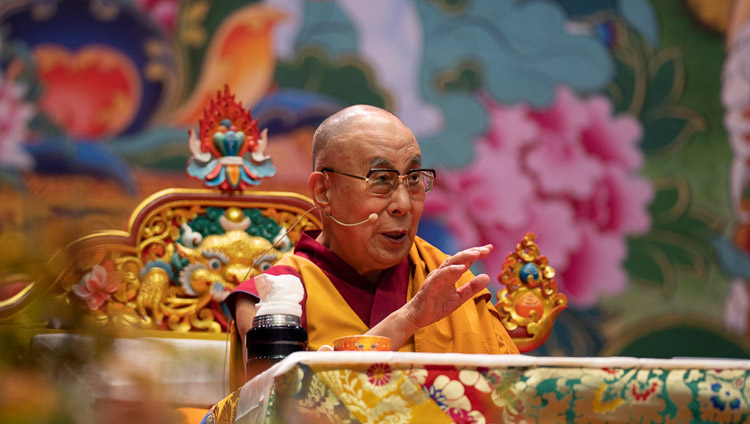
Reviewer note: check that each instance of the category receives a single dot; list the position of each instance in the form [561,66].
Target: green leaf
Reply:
[666,81]
[642,266]
[622,89]
[676,254]
[650,84]
[665,200]
[660,133]
[692,226]
[689,254]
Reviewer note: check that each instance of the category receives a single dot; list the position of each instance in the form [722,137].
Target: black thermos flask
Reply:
[272,338]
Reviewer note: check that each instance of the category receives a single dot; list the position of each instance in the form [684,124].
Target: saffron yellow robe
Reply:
[473,328]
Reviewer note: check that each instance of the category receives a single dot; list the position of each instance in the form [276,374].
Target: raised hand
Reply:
[439,297]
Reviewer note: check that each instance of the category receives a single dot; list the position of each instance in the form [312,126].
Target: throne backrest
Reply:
[183,252]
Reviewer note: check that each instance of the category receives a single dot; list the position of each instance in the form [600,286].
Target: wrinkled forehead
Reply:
[379,142]
[378,161]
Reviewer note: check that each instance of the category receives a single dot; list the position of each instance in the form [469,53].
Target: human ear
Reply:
[318,184]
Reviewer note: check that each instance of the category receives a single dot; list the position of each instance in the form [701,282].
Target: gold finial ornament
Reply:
[530,302]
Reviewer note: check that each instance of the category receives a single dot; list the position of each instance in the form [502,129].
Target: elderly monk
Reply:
[367,272]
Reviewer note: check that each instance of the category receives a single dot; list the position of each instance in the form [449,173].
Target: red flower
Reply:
[379,374]
[97,286]
[644,394]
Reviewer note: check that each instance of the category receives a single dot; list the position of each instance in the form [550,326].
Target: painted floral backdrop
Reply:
[616,130]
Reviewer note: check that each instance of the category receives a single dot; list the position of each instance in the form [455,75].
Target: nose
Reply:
[404,180]
[400,200]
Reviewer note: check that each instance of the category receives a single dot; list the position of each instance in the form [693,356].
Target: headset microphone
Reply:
[372,218]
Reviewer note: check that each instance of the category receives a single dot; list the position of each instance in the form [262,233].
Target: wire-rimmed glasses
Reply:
[385,181]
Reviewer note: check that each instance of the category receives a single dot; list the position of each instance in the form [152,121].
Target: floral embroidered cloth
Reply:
[376,387]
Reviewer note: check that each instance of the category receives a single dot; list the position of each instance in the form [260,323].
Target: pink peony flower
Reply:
[617,203]
[97,286]
[566,173]
[563,166]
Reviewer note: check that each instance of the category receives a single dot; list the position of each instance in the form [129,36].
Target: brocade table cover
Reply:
[393,387]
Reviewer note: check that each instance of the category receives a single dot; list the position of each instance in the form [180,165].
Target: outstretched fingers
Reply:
[438,296]
[468,256]
[474,286]
[448,274]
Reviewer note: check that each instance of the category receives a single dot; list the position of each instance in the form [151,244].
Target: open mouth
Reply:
[395,236]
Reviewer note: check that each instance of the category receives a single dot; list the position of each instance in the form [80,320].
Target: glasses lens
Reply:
[416,181]
[382,182]
[420,181]
[428,177]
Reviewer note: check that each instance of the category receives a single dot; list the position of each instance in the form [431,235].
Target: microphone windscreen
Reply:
[373,217]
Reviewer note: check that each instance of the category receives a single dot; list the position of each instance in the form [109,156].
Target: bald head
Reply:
[332,133]
[350,144]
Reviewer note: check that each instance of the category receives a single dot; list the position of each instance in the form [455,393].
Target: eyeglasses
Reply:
[385,181]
